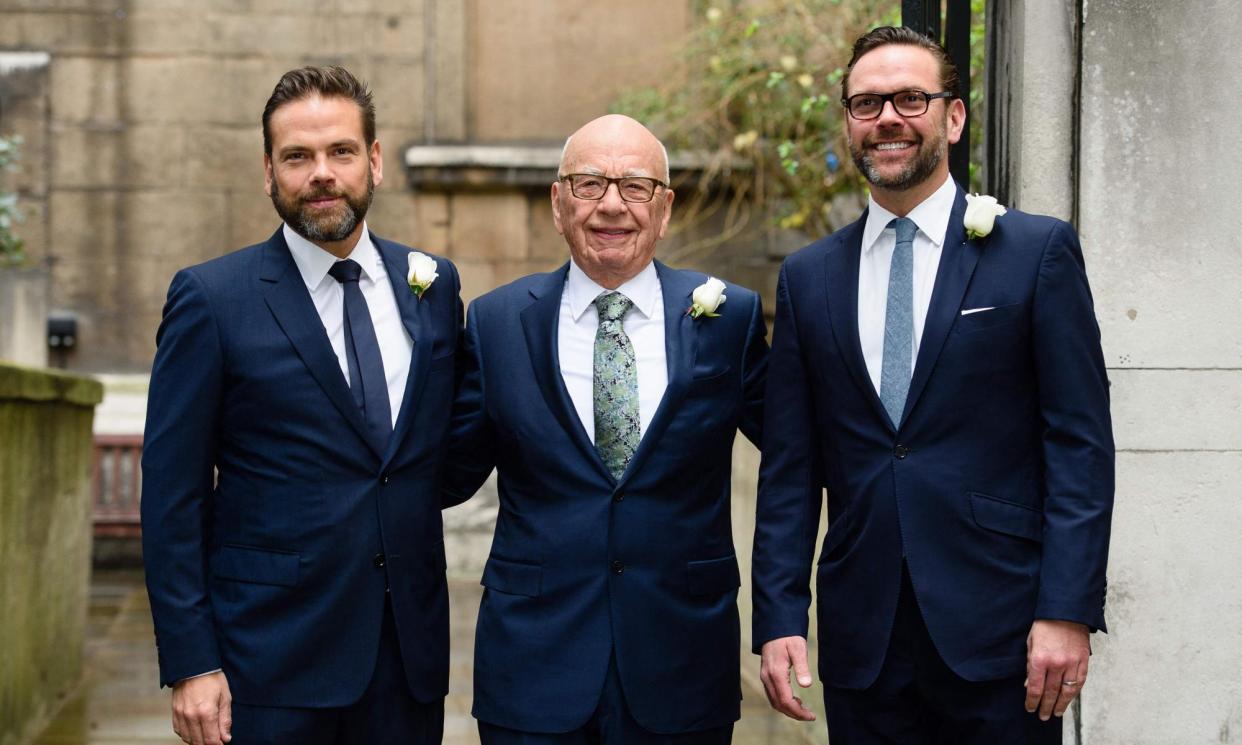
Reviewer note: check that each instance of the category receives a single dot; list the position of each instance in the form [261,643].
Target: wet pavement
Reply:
[119,702]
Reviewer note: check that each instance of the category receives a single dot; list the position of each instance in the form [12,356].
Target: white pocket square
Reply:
[977,310]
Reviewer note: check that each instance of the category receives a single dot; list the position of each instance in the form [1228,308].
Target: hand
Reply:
[778,655]
[1056,665]
[202,710]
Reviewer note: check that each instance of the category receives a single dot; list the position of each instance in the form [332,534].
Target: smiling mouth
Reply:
[611,232]
[889,146]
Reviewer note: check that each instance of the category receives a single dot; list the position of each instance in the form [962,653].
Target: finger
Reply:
[226,719]
[770,673]
[802,670]
[1052,691]
[1071,686]
[1034,687]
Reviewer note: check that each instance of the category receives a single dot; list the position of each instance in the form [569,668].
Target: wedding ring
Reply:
[1069,683]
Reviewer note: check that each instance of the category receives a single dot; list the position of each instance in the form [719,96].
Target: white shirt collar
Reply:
[313,262]
[931,216]
[643,289]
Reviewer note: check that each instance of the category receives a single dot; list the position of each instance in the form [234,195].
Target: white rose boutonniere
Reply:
[981,213]
[422,273]
[707,297]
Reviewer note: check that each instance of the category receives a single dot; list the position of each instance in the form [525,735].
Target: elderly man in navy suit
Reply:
[299,402]
[608,394]
[937,368]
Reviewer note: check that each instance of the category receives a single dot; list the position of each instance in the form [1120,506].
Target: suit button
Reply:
[379,561]
[384,480]
[617,567]
[901,451]
[618,497]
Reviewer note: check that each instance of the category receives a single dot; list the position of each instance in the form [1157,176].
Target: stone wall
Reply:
[45,540]
[144,152]
[1151,174]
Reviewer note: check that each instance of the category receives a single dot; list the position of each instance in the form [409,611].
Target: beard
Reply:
[930,153]
[325,226]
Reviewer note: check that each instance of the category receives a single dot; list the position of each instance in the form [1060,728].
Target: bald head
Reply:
[613,237]
[615,131]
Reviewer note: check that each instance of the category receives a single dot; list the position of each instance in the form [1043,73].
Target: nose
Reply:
[888,115]
[612,202]
[322,173]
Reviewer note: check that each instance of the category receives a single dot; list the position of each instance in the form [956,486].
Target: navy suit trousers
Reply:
[385,715]
[918,700]
[611,724]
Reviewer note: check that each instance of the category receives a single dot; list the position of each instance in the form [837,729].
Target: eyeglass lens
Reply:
[631,189]
[906,103]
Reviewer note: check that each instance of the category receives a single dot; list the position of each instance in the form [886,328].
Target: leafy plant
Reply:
[756,92]
[12,249]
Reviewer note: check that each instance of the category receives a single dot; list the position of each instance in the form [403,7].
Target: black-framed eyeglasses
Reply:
[864,106]
[631,188]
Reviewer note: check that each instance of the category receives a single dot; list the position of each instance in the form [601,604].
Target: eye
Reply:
[635,187]
[910,97]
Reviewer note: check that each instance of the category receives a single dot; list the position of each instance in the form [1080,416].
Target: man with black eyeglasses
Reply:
[936,367]
[607,394]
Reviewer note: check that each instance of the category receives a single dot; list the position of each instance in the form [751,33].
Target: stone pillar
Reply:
[1152,176]
[45,540]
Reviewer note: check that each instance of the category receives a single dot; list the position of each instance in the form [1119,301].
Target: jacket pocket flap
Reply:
[513,577]
[1007,517]
[256,565]
[713,576]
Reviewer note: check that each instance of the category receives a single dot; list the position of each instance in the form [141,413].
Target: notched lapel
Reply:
[841,291]
[414,316]
[540,321]
[681,336]
[957,265]
[286,296]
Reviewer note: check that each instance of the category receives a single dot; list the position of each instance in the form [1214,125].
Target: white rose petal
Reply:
[709,296]
[981,213]
[422,269]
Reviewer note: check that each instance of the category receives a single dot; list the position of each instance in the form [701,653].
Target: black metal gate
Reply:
[924,16]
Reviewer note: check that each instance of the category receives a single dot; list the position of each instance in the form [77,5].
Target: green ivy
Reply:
[12,249]
[756,88]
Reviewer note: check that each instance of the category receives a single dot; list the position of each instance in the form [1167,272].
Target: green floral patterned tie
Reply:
[615,389]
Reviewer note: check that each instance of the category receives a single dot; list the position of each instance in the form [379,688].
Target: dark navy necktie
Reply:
[366,367]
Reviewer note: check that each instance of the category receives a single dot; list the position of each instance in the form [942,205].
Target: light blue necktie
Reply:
[899,322]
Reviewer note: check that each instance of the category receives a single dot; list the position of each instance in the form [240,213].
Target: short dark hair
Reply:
[305,82]
[886,35]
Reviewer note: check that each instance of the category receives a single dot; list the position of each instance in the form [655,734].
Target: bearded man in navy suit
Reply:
[299,402]
[941,376]
[608,394]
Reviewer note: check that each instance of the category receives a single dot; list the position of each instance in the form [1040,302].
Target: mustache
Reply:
[320,193]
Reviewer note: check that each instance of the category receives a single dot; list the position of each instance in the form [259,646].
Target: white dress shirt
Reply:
[878,242]
[644,324]
[329,297]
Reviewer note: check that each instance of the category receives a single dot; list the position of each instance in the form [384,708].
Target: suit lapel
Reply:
[286,296]
[680,348]
[413,316]
[841,275]
[540,321]
[958,259]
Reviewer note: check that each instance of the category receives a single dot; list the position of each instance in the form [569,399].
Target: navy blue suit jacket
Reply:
[271,569]
[997,486]
[582,565]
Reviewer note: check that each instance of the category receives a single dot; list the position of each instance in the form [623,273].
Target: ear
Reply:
[668,211]
[268,176]
[377,164]
[957,120]
[556,207]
